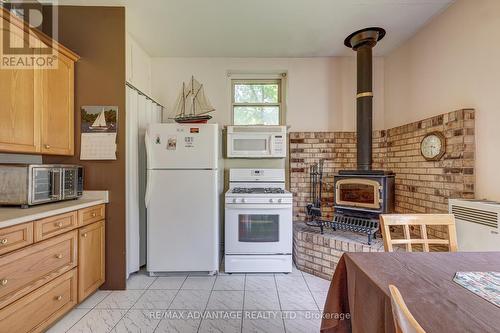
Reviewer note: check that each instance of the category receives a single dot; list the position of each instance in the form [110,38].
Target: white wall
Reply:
[320,91]
[450,64]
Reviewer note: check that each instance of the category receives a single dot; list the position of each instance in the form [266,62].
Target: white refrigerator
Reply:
[182,197]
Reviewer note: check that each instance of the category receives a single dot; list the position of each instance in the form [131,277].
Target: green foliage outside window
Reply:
[256,102]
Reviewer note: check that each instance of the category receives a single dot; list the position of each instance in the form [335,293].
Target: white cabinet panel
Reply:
[138,66]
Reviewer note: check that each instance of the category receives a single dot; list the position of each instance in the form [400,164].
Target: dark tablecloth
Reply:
[360,287]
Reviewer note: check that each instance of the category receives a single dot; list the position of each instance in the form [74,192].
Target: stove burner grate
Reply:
[252,190]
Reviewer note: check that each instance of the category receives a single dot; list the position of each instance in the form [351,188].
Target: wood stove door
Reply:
[358,193]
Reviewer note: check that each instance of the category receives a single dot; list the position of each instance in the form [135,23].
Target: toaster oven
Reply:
[32,184]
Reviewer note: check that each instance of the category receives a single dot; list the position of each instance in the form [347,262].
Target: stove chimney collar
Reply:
[368,36]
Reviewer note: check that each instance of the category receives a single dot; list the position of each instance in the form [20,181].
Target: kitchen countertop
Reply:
[10,216]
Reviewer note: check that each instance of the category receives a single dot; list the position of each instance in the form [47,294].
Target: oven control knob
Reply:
[271,200]
[280,200]
[243,200]
[234,200]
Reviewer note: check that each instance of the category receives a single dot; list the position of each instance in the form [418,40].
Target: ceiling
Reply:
[266,28]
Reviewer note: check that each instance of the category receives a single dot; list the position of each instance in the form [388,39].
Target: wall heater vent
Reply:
[477,224]
[474,215]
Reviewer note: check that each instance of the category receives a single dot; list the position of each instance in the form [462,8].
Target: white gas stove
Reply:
[258,223]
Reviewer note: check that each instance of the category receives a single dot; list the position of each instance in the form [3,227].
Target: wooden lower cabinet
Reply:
[39,309]
[90,215]
[15,237]
[91,258]
[55,225]
[27,269]
[48,266]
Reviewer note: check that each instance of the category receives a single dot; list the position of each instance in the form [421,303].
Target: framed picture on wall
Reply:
[99,119]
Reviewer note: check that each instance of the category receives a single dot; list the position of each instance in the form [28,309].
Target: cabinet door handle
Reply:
[59,256]
[4,241]
[84,235]
[59,224]
[47,146]
[4,282]
[58,298]
[94,214]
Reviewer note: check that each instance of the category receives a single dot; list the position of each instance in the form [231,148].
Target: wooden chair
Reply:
[423,221]
[404,322]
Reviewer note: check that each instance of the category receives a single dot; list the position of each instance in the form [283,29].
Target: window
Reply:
[256,102]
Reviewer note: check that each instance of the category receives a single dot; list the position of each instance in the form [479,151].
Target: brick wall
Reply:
[421,186]
[337,149]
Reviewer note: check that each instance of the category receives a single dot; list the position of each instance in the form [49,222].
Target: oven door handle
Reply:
[259,206]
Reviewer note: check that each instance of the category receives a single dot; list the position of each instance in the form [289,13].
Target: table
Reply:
[360,286]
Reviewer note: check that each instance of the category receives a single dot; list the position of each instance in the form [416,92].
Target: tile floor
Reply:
[192,303]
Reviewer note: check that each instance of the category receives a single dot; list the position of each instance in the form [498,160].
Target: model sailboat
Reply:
[99,123]
[192,106]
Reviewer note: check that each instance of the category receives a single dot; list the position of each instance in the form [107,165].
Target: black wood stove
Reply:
[362,195]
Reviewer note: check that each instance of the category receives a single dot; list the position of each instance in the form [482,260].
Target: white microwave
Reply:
[256,141]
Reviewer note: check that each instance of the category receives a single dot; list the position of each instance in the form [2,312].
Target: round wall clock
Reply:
[433,146]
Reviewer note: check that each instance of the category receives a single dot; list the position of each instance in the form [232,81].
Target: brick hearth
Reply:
[319,254]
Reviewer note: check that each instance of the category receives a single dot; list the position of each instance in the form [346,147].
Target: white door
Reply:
[258,229]
[183,220]
[149,111]
[132,183]
[158,113]
[142,119]
[173,146]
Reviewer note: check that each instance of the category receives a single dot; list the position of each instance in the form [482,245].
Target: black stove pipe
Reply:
[363,41]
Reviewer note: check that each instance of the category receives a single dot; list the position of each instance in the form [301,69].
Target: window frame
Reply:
[249,81]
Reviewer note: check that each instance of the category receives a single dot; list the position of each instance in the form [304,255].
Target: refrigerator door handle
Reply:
[147,195]
[148,174]
[148,149]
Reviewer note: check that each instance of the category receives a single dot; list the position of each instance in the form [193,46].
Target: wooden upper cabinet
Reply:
[36,104]
[56,96]
[19,116]
[19,123]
